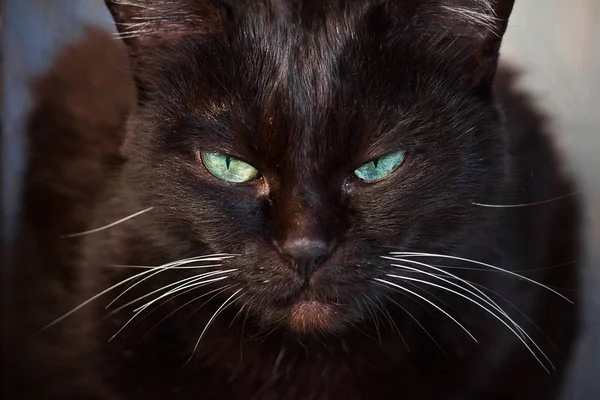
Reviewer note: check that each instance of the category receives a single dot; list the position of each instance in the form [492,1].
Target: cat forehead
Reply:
[284,71]
[297,60]
[275,84]
[300,48]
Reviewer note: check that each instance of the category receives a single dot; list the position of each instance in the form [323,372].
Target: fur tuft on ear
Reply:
[470,29]
[152,29]
[478,16]
[483,19]
[147,22]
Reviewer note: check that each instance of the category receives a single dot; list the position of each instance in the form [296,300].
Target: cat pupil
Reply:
[375,162]
[227,161]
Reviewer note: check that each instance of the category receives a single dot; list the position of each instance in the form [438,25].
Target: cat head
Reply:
[312,138]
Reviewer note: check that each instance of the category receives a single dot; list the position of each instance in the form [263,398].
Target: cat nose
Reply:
[306,254]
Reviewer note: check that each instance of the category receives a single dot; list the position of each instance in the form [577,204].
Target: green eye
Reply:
[380,168]
[228,168]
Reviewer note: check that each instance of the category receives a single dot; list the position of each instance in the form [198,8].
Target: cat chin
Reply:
[307,316]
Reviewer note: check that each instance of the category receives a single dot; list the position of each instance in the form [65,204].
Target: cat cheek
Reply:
[263,188]
[348,187]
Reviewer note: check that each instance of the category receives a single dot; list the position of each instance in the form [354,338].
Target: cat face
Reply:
[311,140]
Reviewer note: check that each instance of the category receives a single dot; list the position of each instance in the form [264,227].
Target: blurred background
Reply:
[555,43]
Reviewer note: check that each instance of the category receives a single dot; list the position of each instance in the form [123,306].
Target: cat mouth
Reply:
[307,310]
[307,315]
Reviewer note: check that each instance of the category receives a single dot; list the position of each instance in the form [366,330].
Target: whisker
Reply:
[157,271]
[269,332]
[484,308]
[373,316]
[527,204]
[483,287]
[185,262]
[182,282]
[238,313]
[199,281]
[390,320]
[548,268]
[74,310]
[430,302]
[116,310]
[225,304]
[190,289]
[102,293]
[417,254]
[165,267]
[416,301]
[138,311]
[208,301]
[219,290]
[488,300]
[72,235]
[244,327]
[433,296]
[154,267]
[515,270]
[416,321]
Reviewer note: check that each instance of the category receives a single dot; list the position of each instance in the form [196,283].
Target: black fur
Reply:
[307,91]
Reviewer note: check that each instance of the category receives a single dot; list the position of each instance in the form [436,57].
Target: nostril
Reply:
[319,260]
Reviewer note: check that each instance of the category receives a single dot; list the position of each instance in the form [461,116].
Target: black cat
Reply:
[319,200]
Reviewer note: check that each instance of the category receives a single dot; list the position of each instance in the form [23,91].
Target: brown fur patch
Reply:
[308,316]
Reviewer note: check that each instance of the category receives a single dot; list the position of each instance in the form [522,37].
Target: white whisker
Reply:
[433,296]
[526,204]
[153,267]
[155,272]
[89,301]
[193,283]
[141,309]
[225,304]
[373,316]
[416,321]
[430,302]
[488,300]
[238,313]
[483,287]
[417,254]
[180,282]
[208,300]
[171,265]
[218,290]
[121,283]
[72,235]
[385,312]
[484,308]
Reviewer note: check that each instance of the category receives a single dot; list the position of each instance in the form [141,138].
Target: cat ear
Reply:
[476,27]
[143,23]
[151,30]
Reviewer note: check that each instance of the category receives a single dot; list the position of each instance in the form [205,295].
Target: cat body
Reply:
[376,359]
[444,279]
